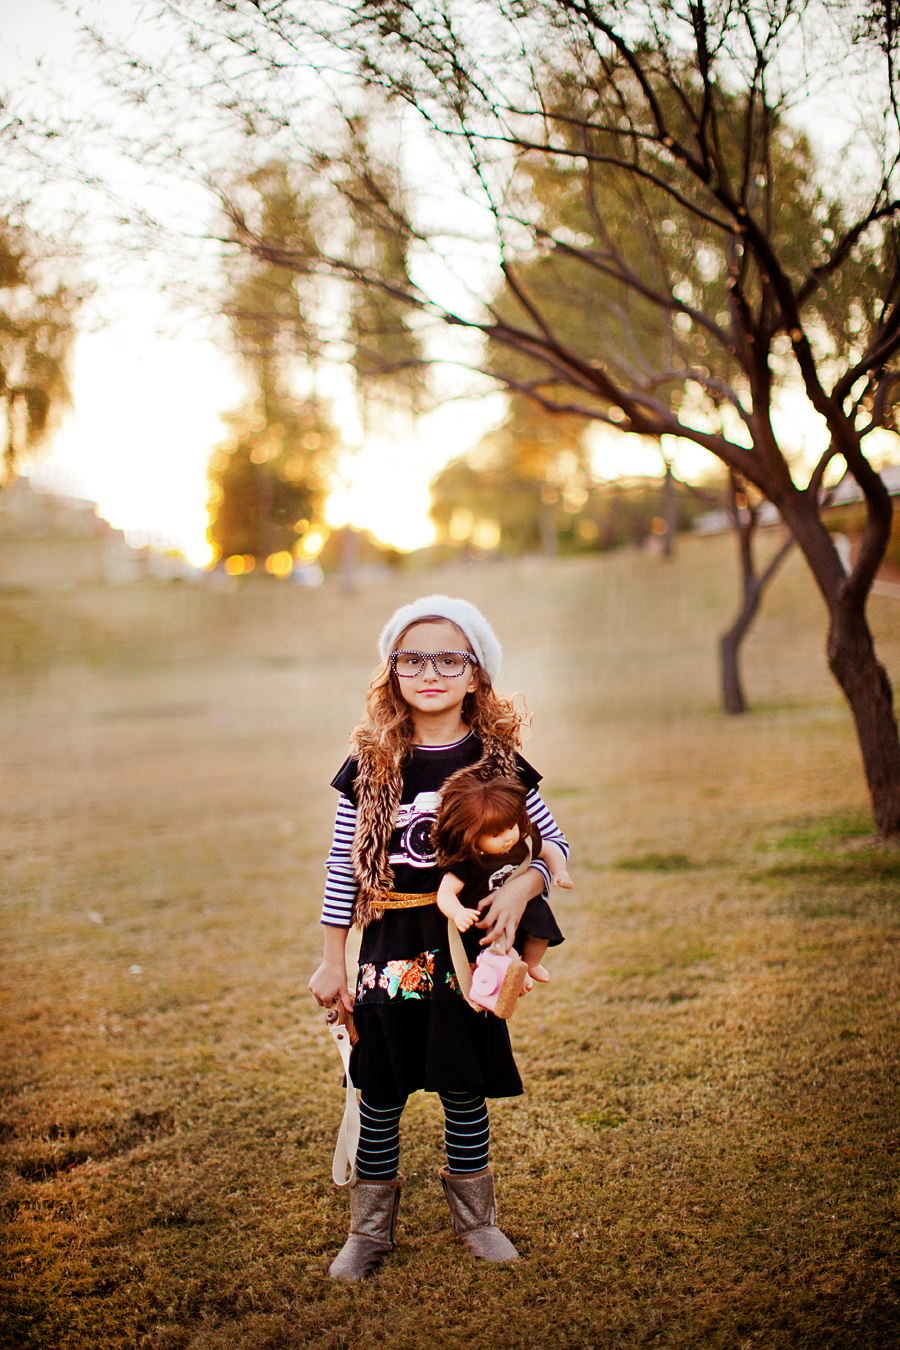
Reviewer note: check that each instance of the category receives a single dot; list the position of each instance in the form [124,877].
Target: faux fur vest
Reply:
[379,787]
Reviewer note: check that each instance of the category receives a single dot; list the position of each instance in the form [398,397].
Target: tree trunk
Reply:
[744,520]
[9,453]
[547,528]
[349,559]
[264,535]
[851,651]
[670,511]
[864,680]
[733,700]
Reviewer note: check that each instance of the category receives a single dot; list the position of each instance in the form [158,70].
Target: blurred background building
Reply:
[49,540]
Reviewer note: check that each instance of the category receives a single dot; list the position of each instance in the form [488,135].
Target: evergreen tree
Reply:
[270,477]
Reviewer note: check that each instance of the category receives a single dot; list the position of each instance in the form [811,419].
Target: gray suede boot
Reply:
[470,1196]
[373,1218]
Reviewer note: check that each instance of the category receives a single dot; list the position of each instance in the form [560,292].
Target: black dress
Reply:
[415,1028]
[483,875]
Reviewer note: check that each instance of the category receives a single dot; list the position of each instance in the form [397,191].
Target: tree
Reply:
[275,304]
[387,353]
[372,331]
[760,277]
[269,479]
[37,330]
[590,308]
[678,112]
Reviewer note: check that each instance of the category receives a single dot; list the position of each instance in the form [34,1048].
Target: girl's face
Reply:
[499,843]
[429,692]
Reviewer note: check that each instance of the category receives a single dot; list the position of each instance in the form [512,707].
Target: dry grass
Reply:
[707,1151]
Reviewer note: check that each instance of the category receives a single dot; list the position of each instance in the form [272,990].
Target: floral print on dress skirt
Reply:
[412,978]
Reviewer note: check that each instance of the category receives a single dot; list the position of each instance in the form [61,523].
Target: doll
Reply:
[483,837]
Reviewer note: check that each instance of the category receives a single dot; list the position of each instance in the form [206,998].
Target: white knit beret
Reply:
[481,636]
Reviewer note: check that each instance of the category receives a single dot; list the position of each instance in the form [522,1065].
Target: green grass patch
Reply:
[608,1119]
[825,833]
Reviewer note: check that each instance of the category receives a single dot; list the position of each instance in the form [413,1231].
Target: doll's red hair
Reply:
[471,807]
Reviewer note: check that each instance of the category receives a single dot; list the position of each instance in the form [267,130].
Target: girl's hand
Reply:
[465,920]
[502,910]
[563,879]
[329,984]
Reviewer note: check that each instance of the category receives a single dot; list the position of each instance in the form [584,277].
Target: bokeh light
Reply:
[486,534]
[310,545]
[280,564]
[239,564]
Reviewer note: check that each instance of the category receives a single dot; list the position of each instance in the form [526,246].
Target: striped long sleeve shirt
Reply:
[341,888]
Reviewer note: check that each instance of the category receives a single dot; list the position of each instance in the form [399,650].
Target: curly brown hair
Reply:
[386,730]
[471,807]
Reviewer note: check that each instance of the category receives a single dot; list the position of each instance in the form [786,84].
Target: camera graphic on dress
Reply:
[414,822]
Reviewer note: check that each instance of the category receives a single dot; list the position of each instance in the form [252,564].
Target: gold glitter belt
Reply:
[398,900]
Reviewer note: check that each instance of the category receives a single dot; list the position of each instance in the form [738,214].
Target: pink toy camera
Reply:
[497,981]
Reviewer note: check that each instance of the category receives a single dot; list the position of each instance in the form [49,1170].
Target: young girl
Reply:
[431,711]
[483,836]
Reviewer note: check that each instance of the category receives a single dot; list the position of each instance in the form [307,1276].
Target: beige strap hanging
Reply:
[461,965]
[343,1167]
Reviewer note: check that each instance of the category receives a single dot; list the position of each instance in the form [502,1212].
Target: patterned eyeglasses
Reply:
[447,665]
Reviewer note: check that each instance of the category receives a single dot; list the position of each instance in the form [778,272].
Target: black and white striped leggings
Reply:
[467,1133]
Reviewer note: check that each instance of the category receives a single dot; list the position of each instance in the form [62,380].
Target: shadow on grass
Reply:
[834,871]
[61,1148]
[656,862]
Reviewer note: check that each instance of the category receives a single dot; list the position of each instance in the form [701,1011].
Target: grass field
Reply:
[708,1150]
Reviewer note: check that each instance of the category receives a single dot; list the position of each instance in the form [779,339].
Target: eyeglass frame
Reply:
[432,657]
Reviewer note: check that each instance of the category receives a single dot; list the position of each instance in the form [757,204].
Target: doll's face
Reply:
[499,843]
